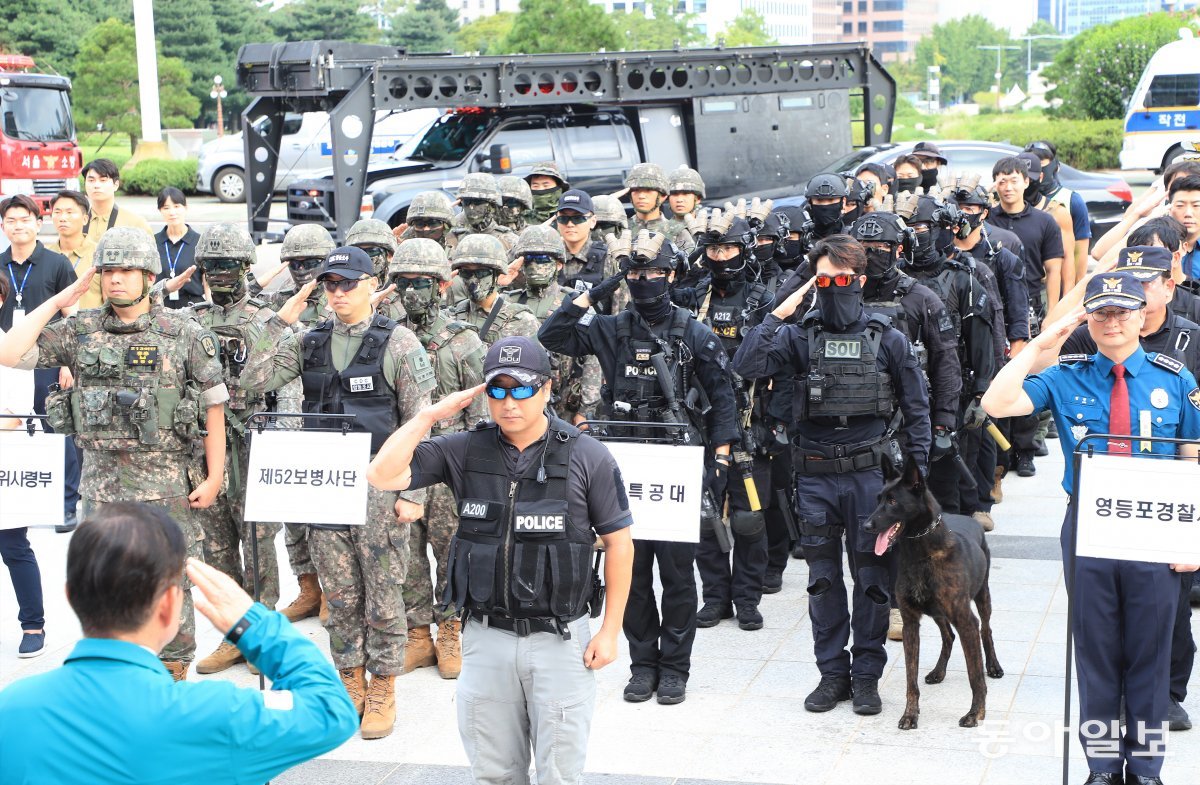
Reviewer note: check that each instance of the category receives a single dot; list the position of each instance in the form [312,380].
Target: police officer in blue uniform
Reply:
[852,370]
[1123,610]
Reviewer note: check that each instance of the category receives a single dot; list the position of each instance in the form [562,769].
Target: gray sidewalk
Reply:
[743,720]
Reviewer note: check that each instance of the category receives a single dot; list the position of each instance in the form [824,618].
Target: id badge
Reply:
[18,315]
[173,295]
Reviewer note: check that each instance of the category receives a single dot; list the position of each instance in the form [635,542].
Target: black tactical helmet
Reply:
[739,233]
[777,225]
[826,186]
[880,227]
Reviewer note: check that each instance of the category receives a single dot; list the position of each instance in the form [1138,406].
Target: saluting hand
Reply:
[453,403]
[788,307]
[514,269]
[1053,335]
[72,294]
[176,283]
[266,279]
[291,310]
[221,600]
[378,296]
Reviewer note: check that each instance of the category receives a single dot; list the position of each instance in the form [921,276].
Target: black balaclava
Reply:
[826,218]
[908,184]
[1049,183]
[929,178]
[881,270]
[841,307]
[729,270]
[924,251]
[1033,192]
[973,220]
[855,213]
[651,298]
[790,252]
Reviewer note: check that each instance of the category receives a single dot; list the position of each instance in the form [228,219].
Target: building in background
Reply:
[787,21]
[1074,16]
[470,10]
[891,27]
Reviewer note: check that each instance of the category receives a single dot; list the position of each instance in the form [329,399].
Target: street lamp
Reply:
[218,92]
[1028,39]
[999,53]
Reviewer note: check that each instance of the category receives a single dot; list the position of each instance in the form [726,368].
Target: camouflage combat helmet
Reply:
[127,248]
[609,210]
[539,239]
[647,176]
[422,256]
[481,249]
[306,241]
[434,205]
[371,231]
[686,180]
[225,241]
[548,169]
[479,185]
[513,187]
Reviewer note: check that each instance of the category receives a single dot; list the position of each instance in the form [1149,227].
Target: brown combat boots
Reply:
[323,615]
[308,602]
[355,682]
[380,715]
[997,486]
[449,649]
[225,657]
[418,650]
[178,669]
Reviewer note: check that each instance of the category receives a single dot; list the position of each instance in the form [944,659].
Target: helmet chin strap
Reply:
[124,302]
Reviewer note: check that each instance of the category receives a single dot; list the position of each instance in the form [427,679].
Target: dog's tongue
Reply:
[883,540]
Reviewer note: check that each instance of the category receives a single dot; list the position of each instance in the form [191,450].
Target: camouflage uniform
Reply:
[512,319]
[362,568]
[457,357]
[576,381]
[684,180]
[482,220]
[517,209]
[130,379]
[651,176]
[432,205]
[545,203]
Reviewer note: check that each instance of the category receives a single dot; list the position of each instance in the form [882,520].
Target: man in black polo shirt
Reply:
[36,274]
[1040,236]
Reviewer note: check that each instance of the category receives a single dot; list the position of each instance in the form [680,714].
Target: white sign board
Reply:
[31,478]
[308,477]
[1139,509]
[663,483]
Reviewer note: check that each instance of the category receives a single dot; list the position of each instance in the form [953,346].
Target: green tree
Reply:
[562,26]
[967,69]
[239,22]
[747,29]
[1042,50]
[658,26]
[49,31]
[187,29]
[106,83]
[1096,72]
[485,35]
[427,26]
[311,20]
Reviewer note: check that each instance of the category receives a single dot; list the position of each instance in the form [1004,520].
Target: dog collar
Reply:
[936,522]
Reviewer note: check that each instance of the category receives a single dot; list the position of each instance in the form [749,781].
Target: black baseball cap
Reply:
[348,262]
[522,358]
[929,150]
[576,200]
[1120,290]
[1144,262]
[1033,164]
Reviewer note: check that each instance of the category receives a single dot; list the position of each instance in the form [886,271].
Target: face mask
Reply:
[853,215]
[841,306]
[434,234]
[546,201]
[973,220]
[907,184]
[539,275]
[513,216]
[420,304]
[480,287]
[728,269]
[302,274]
[598,233]
[1049,183]
[1032,193]
[825,216]
[650,298]
[880,263]
[792,249]
[226,288]
[478,215]
[929,178]
[766,251]
[923,249]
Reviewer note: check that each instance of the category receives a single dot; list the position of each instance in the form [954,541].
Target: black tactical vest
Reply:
[844,379]
[360,389]
[893,309]
[518,551]
[589,275]
[729,315]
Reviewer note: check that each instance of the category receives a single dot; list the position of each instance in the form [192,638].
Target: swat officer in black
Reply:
[970,311]
[826,195]
[852,371]
[629,345]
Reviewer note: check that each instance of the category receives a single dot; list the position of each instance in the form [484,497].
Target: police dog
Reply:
[943,565]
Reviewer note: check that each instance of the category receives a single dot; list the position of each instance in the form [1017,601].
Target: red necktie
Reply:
[1118,414]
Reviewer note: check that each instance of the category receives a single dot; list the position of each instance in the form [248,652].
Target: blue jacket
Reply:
[113,715]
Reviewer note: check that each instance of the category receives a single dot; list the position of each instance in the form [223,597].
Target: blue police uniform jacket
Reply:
[1077,392]
[111,714]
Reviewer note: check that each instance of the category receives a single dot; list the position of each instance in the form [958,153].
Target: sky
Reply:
[1015,16]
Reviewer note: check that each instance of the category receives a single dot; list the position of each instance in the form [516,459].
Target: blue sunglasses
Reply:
[518,393]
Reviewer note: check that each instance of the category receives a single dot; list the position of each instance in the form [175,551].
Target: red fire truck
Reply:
[38,152]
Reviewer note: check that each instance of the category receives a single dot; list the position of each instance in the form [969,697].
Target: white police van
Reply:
[1162,121]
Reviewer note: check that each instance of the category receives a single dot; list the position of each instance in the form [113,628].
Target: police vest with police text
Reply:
[518,551]
[360,388]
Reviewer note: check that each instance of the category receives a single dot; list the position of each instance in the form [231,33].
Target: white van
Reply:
[305,151]
[1163,118]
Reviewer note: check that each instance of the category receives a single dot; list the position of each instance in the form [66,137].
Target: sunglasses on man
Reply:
[839,280]
[344,284]
[524,392]
[564,220]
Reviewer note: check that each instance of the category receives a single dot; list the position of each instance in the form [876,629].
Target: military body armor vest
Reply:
[635,394]
[518,551]
[126,395]
[234,353]
[893,309]
[360,389]
[728,316]
[589,275]
[844,379]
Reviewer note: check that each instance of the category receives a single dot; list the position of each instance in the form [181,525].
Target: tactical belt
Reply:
[815,458]
[522,627]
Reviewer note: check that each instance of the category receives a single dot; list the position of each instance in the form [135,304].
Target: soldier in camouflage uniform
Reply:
[376,238]
[420,271]
[517,200]
[685,189]
[547,185]
[610,218]
[146,377]
[481,201]
[587,263]
[429,215]
[305,247]
[363,567]
[479,262]
[647,190]
[258,353]
[576,381]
